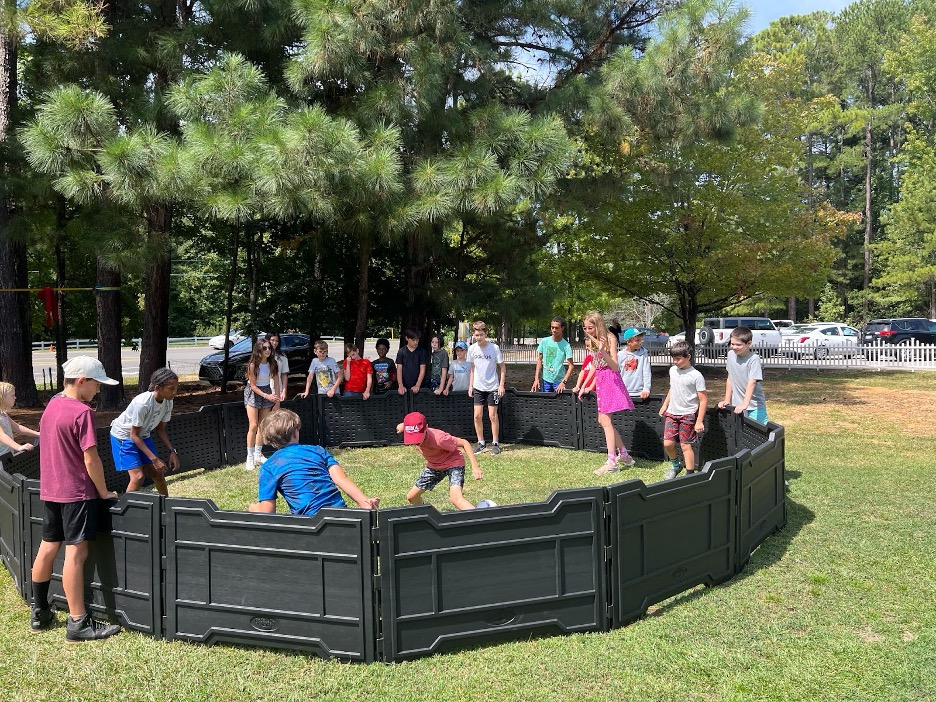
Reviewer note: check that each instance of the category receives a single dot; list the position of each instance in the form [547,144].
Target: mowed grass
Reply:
[840,605]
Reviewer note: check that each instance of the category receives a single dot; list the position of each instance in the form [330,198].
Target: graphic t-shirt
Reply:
[409,363]
[144,412]
[384,374]
[485,361]
[360,370]
[440,360]
[66,431]
[440,450]
[460,371]
[555,354]
[325,372]
[635,370]
[300,474]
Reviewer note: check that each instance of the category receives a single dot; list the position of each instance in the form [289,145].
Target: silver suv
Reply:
[713,335]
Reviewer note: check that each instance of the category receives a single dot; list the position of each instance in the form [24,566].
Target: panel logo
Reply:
[264,624]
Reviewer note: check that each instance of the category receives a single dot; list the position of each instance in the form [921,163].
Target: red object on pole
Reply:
[49,299]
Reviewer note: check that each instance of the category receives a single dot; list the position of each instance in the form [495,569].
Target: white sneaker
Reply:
[249,465]
[629,461]
[259,459]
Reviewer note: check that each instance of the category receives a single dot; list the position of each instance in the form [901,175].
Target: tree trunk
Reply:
[228,309]
[15,318]
[360,326]
[109,335]
[61,329]
[156,300]
[791,307]
[867,232]
[253,278]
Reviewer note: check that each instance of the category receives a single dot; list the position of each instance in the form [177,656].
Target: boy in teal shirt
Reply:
[553,359]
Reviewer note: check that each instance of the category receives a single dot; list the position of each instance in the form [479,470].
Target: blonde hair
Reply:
[601,330]
[279,427]
[6,390]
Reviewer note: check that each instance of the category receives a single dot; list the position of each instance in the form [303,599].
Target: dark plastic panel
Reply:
[540,418]
[198,438]
[234,424]
[751,434]
[762,493]
[459,578]
[720,437]
[25,463]
[274,580]
[115,480]
[641,428]
[11,528]
[122,573]
[453,414]
[358,422]
[671,536]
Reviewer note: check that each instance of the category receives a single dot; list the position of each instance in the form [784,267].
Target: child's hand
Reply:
[445,392]
[26,447]
[739,409]
[415,389]
[723,404]
[401,390]
[644,394]
[366,394]
[437,391]
[476,473]
[173,462]
[370,503]
[399,428]
[109,495]
[303,395]
[331,393]
[699,427]
[536,386]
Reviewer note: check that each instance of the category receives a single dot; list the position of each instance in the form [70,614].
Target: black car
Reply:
[900,332]
[297,347]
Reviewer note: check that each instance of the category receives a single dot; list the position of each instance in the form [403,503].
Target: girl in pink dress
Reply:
[610,392]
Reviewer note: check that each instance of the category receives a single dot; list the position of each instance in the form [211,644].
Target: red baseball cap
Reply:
[414,428]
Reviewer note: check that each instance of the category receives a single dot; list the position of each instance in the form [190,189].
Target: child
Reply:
[554,359]
[634,362]
[744,389]
[442,459]
[325,371]
[71,484]
[610,393]
[586,380]
[438,376]
[259,398]
[485,359]
[308,477]
[9,428]
[282,362]
[459,370]
[412,360]
[130,435]
[357,372]
[684,409]
[384,369]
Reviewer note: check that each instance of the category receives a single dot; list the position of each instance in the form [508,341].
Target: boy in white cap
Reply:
[443,459]
[71,483]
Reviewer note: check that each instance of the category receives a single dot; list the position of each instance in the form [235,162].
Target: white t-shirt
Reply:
[7,427]
[144,412]
[282,364]
[459,370]
[685,386]
[485,363]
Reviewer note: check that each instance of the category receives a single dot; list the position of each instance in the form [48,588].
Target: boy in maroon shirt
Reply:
[71,484]
[442,459]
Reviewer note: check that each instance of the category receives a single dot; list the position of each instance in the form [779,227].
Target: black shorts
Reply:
[486,397]
[71,522]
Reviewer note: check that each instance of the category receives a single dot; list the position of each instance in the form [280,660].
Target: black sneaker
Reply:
[480,447]
[88,629]
[41,618]
[495,450]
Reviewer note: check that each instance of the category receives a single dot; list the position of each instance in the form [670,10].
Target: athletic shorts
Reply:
[127,454]
[679,426]
[486,397]
[71,522]
[759,415]
[429,478]
[550,386]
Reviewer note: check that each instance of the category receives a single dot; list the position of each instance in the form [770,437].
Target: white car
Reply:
[217,342]
[821,341]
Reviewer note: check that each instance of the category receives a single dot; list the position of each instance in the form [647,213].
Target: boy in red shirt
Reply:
[442,459]
[358,373]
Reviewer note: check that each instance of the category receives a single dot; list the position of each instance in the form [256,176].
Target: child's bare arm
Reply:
[350,488]
[465,446]
[9,442]
[727,401]
[665,403]
[503,378]
[536,373]
[267,506]
[305,393]
[748,394]
[419,380]
[95,470]
[703,406]
[20,429]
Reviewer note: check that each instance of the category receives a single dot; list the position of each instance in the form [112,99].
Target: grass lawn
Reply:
[841,605]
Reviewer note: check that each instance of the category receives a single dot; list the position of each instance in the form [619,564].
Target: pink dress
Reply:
[610,392]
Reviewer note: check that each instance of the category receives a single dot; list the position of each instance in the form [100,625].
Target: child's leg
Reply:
[159,480]
[669,446]
[414,496]
[478,422]
[136,478]
[612,438]
[689,456]
[73,577]
[45,560]
[495,422]
[253,420]
[458,499]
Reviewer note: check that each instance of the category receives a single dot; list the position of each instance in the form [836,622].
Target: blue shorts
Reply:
[126,454]
[759,415]
[549,386]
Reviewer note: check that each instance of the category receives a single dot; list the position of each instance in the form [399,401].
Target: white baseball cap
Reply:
[87,367]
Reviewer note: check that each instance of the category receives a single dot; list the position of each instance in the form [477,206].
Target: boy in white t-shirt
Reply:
[485,359]
[684,410]
[459,370]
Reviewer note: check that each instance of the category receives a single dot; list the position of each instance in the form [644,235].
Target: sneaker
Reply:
[41,618]
[88,629]
[259,459]
[629,461]
[480,447]
[495,450]
[672,472]
[610,466]
[249,465]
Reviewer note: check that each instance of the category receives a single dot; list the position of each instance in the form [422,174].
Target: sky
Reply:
[763,12]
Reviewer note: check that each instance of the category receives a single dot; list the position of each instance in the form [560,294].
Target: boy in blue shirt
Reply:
[308,477]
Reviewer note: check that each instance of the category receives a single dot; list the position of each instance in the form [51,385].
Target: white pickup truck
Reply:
[712,336]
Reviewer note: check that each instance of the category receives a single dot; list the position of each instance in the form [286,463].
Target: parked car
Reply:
[821,341]
[654,341]
[712,336]
[792,330]
[894,337]
[297,347]
[217,342]
[782,324]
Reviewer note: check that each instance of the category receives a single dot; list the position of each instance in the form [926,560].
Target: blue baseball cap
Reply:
[461,345]
[632,332]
